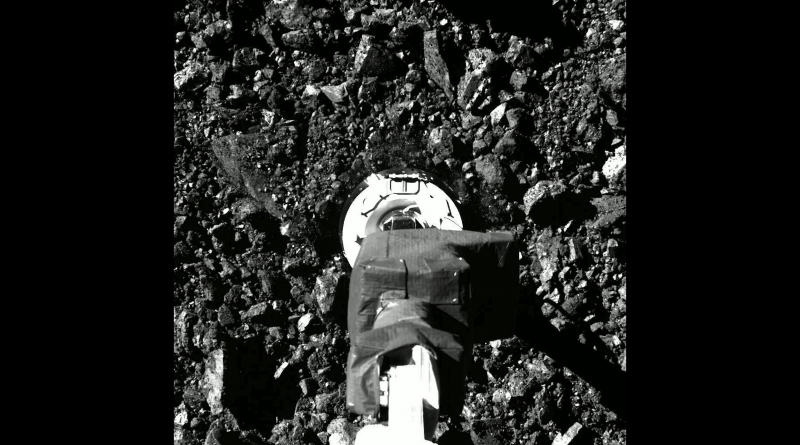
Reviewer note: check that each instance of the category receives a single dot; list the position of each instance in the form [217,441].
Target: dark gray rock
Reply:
[324,293]
[226,316]
[293,14]
[370,90]
[374,60]
[440,142]
[241,155]
[435,64]
[610,210]
[491,171]
[511,144]
[248,58]
[613,81]
[468,88]
[490,432]
[544,191]
[268,34]
[257,312]
[519,55]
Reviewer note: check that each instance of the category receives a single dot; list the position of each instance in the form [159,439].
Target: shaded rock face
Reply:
[372,59]
[435,64]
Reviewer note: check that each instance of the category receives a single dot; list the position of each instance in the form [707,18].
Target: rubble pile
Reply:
[282,107]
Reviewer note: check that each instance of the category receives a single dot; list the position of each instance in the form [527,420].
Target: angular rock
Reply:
[226,316]
[324,292]
[614,167]
[257,312]
[191,77]
[247,57]
[303,40]
[519,55]
[519,80]
[518,119]
[374,60]
[212,383]
[613,80]
[540,371]
[468,87]
[468,120]
[293,14]
[183,330]
[489,432]
[544,191]
[511,144]
[440,142]
[337,93]
[610,210]
[341,432]
[308,387]
[574,436]
[492,172]
[435,64]
[518,384]
[241,155]
[310,92]
[268,34]
[304,321]
[483,60]
[498,114]
[575,251]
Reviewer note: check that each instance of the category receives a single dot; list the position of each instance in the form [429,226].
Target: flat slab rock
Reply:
[435,65]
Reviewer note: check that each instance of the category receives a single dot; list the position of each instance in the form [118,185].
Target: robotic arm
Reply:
[418,300]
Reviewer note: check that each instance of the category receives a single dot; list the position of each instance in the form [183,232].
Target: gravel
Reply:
[281,108]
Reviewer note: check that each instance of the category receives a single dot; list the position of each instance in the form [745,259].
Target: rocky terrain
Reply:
[282,107]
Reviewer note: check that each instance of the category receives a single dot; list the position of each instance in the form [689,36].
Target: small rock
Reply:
[324,291]
[303,322]
[519,80]
[308,387]
[247,57]
[519,54]
[268,34]
[435,64]
[374,60]
[212,382]
[575,253]
[498,114]
[569,436]
[226,316]
[256,312]
[192,76]
[303,40]
[543,191]
[616,25]
[468,88]
[483,60]
[492,172]
[615,165]
[518,119]
[440,142]
[612,248]
[293,14]
[510,144]
[341,432]
[337,94]
[610,210]
[479,147]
